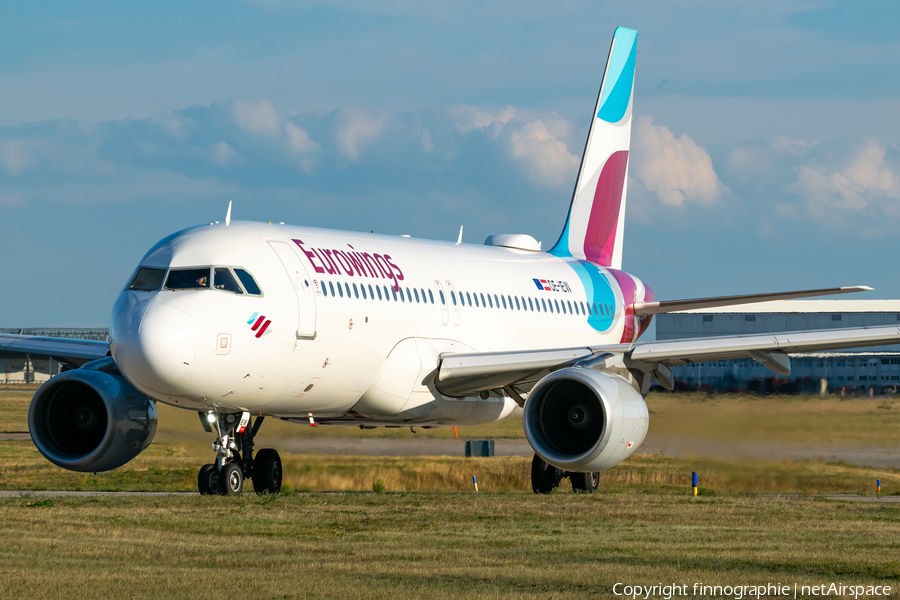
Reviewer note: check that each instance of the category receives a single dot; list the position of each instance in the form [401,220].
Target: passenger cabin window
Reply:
[188,279]
[248,281]
[224,280]
[147,279]
[431,296]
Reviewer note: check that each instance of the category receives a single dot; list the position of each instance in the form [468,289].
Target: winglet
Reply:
[459,241]
[228,215]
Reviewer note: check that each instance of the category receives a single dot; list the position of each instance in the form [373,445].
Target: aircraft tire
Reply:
[267,471]
[231,480]
[585,482]
[544,477]
[208,480]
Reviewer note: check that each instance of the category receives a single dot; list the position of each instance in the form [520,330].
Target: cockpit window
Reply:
[147,279]
[248,281]
[188,279]
[224,280]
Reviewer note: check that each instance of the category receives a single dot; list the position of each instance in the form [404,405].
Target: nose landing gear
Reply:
[235,433]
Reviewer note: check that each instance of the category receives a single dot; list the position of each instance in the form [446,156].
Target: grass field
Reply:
[180,447]
[430,545]
[430,535]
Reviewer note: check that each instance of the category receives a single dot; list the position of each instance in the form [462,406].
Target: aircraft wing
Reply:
[467,373]
[68,351]
[667,306]
[679,352]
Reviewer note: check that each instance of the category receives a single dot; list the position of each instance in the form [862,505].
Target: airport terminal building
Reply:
[869,370]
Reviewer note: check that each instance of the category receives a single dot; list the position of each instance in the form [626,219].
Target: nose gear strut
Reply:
[235,433]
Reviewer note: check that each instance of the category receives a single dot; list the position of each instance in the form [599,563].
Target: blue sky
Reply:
[765,148]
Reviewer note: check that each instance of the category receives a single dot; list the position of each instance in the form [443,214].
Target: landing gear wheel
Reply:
[585,482]
[231,480]
[544,477]
[267,472]
[208,480]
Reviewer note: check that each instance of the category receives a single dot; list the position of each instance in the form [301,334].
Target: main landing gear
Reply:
[234,457]
[545,478]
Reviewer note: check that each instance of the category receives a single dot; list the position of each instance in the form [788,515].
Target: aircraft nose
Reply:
[161,351]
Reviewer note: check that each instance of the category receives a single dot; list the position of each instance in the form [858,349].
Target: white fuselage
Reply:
[326,350]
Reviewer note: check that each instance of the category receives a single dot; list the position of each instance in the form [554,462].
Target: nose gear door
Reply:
[303,292]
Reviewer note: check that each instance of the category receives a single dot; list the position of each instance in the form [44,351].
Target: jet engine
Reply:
[582,420]
[90,420]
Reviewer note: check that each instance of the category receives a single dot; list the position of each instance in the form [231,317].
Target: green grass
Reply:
[450,545]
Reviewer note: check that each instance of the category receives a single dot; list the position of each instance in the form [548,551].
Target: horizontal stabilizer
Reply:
[667,306]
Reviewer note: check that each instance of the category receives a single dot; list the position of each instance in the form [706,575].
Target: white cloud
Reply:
[299,141]
[259,118]
[474,117]
[862,183]
[546,160]
[358,127]
[676,169]
[14,156]
[223,155]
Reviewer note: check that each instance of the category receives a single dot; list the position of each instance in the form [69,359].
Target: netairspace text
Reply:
[768,590]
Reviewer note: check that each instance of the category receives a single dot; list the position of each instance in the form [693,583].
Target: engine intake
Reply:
[581,420]
[90,421]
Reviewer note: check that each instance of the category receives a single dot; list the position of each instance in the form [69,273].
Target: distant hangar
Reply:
[871,370]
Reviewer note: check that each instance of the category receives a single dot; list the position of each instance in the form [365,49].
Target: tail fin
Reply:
[594,226]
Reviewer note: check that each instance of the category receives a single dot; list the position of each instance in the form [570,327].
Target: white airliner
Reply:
[239,321]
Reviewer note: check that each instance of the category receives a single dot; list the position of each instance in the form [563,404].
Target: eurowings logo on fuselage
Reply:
[353,263]
[259,325]
[550,285]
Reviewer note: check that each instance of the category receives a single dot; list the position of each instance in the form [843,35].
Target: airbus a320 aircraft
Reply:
[244,321]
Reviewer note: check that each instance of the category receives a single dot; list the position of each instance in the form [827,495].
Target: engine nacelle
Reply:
[90,421]
[581,420]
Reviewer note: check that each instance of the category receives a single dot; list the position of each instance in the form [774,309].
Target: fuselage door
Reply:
[442,299]
[455,299]
[300,281]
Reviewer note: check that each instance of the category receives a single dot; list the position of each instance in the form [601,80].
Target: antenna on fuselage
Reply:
[459,240]
[228,215]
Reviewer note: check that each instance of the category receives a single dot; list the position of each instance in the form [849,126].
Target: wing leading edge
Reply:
[71,352]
